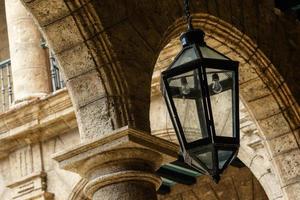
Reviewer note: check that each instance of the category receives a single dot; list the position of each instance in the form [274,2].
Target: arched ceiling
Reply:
[119,41]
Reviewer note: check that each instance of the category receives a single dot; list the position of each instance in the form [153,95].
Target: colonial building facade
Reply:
[82,116]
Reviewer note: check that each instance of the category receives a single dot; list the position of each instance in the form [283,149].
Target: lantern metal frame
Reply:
[194,38]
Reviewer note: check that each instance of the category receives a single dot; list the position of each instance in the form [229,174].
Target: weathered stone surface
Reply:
[235,184]
[119,160]
[138,190]
[94,119]
[254,89]
[247,72]
[288,165]
[293,191]
[30,75]
[88,87]
[76,63]
[264,107]
[256,21]
[47,12]
[275,125]
[4,47]
[69,35]
[283,144]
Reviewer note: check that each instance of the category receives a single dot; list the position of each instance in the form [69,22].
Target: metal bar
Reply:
[9,84]
[2,90]
[3,63]
[163,189]
[175,176]
[195,93]
[57,81]
[237,163]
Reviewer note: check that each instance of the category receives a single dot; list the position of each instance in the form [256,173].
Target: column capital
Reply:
[120,156]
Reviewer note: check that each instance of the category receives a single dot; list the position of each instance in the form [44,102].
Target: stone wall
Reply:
[108,61]
[235,184]
[29,161]
[4,48]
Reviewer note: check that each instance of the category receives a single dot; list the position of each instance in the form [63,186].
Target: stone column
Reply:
[29,61]
[120,165]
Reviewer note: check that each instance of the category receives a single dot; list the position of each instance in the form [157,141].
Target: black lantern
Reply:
[201,92]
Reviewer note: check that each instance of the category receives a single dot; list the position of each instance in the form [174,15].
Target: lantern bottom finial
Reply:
[216,178]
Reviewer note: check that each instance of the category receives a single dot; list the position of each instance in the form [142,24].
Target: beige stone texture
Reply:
[289,167]
[4,48]
[283,144]
[293,191]
[30,75]
[120,161]
[235,184]
[108,57]
[66,28]
[274,125]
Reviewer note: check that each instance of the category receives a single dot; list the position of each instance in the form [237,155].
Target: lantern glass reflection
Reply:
[221,101]
[187,103]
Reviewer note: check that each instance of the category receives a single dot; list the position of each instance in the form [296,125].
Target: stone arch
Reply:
[81,37]
[77,192]
[109,48]
[93,72]
[270,139]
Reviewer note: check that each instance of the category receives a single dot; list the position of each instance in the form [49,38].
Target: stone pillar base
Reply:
[120,165]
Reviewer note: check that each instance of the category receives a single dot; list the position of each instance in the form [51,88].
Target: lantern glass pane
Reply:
[187,97]
[206,158]
[186,56]
[223,157]
[220,83]
[207,52]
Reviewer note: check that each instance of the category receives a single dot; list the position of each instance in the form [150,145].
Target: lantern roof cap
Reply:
[192,36]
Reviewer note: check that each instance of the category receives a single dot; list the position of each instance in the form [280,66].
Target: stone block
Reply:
[63,34]
[33,186]
[94,119]
[247,72]
[289,167]
[292,191]
[254,89]
[86,88]
[189,195]
[282,144]
[89,26]
[47,12]
[297,135]
[271,186]
[292,115]
[274,126]
[76,61]
[264,107]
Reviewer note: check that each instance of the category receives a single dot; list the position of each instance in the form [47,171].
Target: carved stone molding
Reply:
[33,186]
[121,157]
[36,120]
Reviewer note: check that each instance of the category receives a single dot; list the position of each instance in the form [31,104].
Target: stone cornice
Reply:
[36,120]
[116,139]
[124,155]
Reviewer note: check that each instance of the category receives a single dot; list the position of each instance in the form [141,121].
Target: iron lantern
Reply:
[201,92]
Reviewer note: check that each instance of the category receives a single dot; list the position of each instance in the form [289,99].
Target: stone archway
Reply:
[270,117]
[83,44]
[98,45]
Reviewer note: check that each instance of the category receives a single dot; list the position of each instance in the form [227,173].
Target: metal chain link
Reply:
[187,9]
[187,13]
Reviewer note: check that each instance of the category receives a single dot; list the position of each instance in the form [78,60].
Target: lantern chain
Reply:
[187,13]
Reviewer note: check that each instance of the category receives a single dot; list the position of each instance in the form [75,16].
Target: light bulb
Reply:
[216,86]
[185,88]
